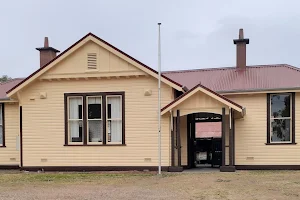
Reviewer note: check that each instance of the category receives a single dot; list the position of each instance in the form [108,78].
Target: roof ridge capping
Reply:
[229,68]
[292,67]
[194,70]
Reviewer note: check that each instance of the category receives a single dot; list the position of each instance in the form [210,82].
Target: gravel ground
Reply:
[273,185]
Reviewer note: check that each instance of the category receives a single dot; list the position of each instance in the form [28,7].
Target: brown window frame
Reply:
[3,125]
[85,119]
[293,139]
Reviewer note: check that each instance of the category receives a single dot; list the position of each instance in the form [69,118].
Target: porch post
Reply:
[231,167]
[173,143]
[188,139]
[177,145]
[223,137]
[178,138]
[231,143]
[231,138]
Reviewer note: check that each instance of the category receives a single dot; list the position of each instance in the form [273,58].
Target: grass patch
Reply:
[66,177]
[148,185]
[222,180]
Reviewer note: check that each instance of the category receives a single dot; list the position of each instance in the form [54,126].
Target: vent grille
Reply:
[92,60]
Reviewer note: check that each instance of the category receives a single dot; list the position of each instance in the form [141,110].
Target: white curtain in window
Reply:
[94,100]
[74,128]
[1,126]
[74,103]
[116,107]
[116,116]
[1,135]
[0,114]
[116,131]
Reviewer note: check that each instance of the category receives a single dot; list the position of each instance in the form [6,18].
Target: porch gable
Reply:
[201,99]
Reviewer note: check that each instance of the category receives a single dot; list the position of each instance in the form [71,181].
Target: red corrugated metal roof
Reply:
[262,77]
[4,87]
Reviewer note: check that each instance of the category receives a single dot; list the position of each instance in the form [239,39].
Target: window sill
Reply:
[280,143]
[91,145]
[2,146]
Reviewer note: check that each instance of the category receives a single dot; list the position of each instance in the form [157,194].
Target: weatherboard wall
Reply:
[9,155]
[44,128]
[43,119]
[251,135]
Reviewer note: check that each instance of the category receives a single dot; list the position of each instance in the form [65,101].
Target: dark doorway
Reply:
[204,149]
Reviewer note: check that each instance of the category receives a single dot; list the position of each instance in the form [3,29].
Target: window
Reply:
[95,119]
[2,138]
[281,122]
[75,121]
[114,119]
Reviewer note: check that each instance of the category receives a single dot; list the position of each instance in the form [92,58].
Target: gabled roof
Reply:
[7,86]
[79,43]
[205,90]
[231,80]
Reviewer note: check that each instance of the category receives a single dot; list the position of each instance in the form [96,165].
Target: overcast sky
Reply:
[195,34]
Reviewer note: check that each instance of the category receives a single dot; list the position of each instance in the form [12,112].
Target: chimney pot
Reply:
[241,34]
[46,53]
[46,42]
[241,44]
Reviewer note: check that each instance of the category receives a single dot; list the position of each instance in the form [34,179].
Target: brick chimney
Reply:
[241,50]
[46,53]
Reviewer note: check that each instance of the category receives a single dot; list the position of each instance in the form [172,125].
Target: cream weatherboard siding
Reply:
[251,135]
[200,102]
[10,155]
[44,129]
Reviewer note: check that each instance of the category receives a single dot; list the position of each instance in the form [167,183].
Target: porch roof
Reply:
[200,88]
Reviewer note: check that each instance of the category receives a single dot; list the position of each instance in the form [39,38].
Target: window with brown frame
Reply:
[75,120]
[2,134]
[114,119]
[94,118]
[281,118]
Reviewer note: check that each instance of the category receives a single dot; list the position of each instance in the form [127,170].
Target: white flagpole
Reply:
[159,101]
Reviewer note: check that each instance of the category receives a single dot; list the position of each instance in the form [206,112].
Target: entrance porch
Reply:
[201,105]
